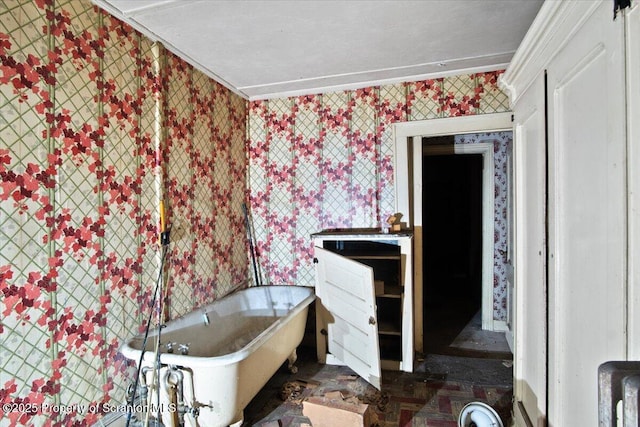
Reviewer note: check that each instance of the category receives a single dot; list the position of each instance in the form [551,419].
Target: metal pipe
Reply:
[173,386]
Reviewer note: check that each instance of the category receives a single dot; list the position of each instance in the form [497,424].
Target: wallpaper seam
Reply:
[161,174]
[100,170]
[268,140]
[351,211]
[378,154]
[51,45]
[138,144]
[192,187]
[322,138]
[294,170]
[214,137]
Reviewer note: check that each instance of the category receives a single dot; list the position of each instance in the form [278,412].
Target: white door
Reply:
[587,246]
[345,290]
[530,291]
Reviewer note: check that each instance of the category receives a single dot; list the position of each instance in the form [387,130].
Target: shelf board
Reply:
[388,257]
[390,332]
[391,296]
[390,365]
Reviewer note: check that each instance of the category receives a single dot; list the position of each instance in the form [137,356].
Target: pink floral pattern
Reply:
[502,146]
[81,167]
[326,161]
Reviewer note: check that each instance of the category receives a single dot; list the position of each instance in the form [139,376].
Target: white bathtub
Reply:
[249,335]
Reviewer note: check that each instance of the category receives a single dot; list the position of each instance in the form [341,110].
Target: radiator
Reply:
[619,381]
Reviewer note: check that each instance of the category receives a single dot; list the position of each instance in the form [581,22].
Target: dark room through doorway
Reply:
[452,245]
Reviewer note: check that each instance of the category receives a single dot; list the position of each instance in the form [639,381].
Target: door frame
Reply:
[408,187]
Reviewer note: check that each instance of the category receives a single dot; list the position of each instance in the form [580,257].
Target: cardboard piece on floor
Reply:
[290,421]
[325,411]
[343,394]
[347,377]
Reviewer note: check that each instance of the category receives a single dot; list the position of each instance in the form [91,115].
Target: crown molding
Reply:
[553,27]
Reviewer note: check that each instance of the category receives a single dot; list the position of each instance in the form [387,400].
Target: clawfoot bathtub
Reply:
[215,359]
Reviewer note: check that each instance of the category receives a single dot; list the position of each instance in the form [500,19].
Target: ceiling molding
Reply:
[264,49]
[547,35]
[360,80]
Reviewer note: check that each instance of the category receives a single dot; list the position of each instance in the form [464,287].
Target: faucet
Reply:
[205,318]
[169,346]
[184,348]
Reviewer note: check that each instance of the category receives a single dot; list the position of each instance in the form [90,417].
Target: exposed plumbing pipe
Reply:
[146,332]
[191,405]
[173,386]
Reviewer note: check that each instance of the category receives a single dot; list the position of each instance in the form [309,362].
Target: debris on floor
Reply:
[347,377]
[377,398]
[286,421]
[296,391]
[333,409]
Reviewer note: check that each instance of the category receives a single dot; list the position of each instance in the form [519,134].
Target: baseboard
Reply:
[509,336]
[521,418]
[500,326]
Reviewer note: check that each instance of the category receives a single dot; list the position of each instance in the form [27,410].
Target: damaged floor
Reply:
[474,367]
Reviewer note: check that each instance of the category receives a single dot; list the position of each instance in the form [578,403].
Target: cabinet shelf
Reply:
[391,291]
[392,296]
[383,331]
[373,257]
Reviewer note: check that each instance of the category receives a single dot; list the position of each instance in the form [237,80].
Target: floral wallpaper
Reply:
[502,149]
[97,124]
[326,160]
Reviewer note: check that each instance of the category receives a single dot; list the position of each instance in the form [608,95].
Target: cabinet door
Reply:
[345,289]
[586,113]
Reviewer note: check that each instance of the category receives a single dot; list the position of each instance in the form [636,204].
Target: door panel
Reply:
[633,138]
[345,288]
[530,292]
[587,215]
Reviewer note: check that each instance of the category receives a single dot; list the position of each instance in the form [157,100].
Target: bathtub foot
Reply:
[292,360]
[240,418]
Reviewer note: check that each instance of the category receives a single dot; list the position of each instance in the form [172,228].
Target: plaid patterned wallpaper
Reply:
[84,161]
[325,161]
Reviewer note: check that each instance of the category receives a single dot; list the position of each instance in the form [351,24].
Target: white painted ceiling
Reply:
[262,49]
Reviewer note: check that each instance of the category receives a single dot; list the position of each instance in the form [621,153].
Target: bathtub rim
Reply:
[132,353]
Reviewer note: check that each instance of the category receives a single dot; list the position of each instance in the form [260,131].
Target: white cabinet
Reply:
[365,299]
[569,95]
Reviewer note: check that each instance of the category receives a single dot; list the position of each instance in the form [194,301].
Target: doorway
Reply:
[452,243]
[408,185]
